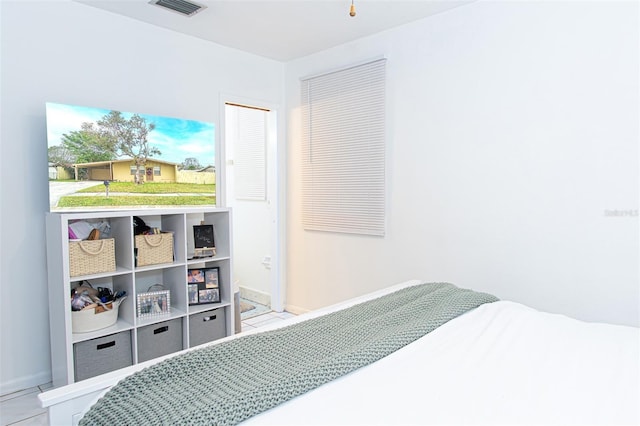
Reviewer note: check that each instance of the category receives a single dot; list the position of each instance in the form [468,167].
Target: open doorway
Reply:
[249,165]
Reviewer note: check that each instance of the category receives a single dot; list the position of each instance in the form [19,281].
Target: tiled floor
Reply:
[265,319]
[23,408]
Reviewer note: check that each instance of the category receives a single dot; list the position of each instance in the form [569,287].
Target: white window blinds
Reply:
[343,130]
[250,164]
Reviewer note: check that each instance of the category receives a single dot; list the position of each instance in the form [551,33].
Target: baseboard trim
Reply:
[23,383]
[256,296]
[296,310]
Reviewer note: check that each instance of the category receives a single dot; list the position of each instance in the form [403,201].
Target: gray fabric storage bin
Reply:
[159,339]
[98,356]
[207,326]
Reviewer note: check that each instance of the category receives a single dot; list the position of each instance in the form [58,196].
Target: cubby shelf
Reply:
[77,356]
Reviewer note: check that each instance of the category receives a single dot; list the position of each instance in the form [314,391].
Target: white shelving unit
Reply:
[206,321]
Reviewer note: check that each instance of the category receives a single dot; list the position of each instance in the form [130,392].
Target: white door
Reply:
[250,170]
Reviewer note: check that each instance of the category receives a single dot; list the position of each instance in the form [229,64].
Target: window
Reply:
[343,138]
[132,170]
[156,170]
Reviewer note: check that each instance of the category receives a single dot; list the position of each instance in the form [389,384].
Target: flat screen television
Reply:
[101,158]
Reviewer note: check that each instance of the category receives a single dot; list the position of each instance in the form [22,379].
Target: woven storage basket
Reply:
[96,318]
[154,249]
[92,257]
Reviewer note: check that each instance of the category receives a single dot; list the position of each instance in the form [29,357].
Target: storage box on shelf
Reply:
[154,249]
[101,355]
[91,257]
[80,355]
[96,318]
[207,326]
[159,339]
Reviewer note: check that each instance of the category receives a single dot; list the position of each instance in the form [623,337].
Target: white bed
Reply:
[501,363]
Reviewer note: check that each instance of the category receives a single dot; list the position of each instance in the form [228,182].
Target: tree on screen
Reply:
[81,146]
[191,163]
[129,138]
[88,145]
[60,156]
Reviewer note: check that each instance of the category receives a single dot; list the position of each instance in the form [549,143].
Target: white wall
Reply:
[512,128]
[71,53]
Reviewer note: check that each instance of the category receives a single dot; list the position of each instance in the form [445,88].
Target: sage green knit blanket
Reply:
[226,383]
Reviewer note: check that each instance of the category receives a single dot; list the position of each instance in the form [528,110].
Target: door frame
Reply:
[275,191]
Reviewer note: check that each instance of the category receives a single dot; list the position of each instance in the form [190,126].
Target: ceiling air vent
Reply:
[183,7]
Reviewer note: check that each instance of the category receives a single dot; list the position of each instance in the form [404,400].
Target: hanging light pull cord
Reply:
[352,10]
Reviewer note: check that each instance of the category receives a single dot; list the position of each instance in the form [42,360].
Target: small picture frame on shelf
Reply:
[203,285]
[193,293]
[209,295]
[203,241]
[211,278]
[195,276]
[154,303]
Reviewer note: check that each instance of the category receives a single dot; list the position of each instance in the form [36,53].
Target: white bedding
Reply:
[502,363]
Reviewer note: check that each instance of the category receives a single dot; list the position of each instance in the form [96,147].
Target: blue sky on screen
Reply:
[176,138]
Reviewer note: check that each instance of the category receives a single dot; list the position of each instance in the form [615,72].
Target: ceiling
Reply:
[281,30]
